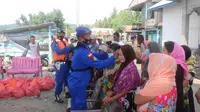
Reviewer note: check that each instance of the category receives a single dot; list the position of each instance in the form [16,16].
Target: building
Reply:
[151,20]
[103,33]
[181,21]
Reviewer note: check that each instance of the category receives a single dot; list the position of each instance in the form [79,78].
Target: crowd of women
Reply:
[163,85]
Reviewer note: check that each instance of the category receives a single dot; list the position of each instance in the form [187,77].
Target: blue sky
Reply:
[90,10]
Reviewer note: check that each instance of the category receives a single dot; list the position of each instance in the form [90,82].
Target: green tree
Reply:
[118,20]
[55,16]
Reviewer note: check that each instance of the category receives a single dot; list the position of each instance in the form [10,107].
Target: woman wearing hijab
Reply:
[190,61]
[152,47]
[109,74]
[126,79]
[159,93]
[177,52]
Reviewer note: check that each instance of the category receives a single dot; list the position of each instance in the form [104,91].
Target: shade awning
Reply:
[28,28]
[162,4]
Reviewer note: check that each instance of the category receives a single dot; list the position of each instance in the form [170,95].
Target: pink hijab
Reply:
[179,54]
[162,71]
[146,43]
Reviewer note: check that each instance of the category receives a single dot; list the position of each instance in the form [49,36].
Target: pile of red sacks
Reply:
[21,86]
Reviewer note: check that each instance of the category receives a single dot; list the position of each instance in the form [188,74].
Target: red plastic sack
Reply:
[11,85]
[3,92]
[48,83]
[14,87]
[18,92]
[25,86]
[34,87]
[6,80]
[36,83]
[32,92]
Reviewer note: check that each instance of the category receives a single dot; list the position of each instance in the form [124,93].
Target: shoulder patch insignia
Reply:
[91,56]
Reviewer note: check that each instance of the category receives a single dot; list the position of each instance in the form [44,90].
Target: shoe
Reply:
[58,100]
[67,95]
[68,110]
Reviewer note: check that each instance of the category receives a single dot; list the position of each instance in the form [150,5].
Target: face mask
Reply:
[147,52]
[61,37]
[74,44]
[86,41]
[110,55]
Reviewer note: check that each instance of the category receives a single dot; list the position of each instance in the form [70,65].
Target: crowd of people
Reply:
[163,84]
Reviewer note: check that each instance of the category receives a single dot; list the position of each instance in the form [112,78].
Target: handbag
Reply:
[197,95]
[115,106]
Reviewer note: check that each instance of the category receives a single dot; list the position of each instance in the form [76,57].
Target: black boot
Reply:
[67,95]
[58,99]
[68,110]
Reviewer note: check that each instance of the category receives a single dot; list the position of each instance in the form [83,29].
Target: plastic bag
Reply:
[25,86]
[34,88]
[47,83]
[36,83]
[11,85]
[30,91]
[5,81]
[18,92]
[4,92]
[14,87]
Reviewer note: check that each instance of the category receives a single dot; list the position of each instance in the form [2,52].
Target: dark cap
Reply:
[61,31]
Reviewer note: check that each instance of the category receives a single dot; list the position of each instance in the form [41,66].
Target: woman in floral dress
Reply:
[109,74]
[159,94]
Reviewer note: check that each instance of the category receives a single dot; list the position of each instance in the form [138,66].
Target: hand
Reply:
[107,100]
[110,93]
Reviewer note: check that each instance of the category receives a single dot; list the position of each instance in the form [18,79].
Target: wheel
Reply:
[45,63]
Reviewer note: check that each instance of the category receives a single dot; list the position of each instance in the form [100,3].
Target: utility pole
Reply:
[77,13]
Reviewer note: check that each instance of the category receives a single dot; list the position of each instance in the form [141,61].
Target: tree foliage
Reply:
[118,20]
[55,16]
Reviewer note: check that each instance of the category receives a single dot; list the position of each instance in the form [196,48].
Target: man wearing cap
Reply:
[93,44]
[60,52]
[83,60]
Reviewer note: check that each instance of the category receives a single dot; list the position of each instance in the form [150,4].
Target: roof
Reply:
[130,28]
[29,28]
[162,4]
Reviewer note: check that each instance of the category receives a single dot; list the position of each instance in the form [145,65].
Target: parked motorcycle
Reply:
[45,60]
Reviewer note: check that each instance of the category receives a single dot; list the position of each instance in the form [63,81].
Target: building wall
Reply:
[172,23]
[194,30]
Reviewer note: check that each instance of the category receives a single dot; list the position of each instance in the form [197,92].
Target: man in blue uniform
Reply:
[60,51]
[83,60]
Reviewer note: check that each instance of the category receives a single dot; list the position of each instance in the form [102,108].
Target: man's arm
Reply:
[26,51]
[56,49]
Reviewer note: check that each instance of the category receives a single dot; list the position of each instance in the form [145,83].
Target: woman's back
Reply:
[164,103]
